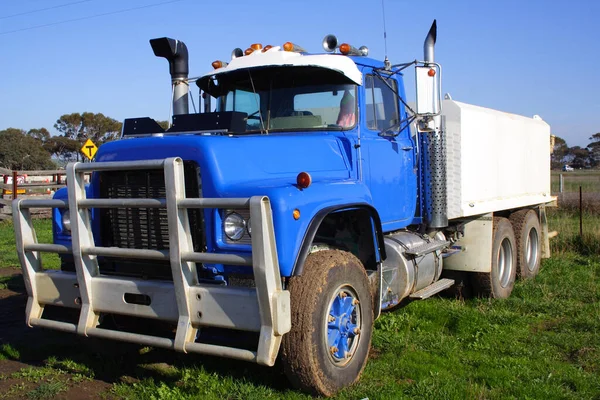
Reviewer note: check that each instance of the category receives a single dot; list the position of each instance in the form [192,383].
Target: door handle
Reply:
[407,148]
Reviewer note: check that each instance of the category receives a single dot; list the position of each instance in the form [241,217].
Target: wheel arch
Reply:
[317,222]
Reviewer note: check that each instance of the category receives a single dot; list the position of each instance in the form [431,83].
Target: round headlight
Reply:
[234,226]
[66,220]
[249,227]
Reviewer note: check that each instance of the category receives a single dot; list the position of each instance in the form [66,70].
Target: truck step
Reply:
[427,248]
[432,289]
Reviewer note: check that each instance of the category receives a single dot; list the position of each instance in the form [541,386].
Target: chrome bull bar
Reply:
[184,301]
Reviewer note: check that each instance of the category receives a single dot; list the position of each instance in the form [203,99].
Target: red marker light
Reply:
[431,72]
[303,180]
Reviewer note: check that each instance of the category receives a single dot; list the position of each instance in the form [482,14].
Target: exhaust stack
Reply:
[429,45]
[175,51]
[434,156]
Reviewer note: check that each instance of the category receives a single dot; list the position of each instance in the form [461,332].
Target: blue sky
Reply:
[526,57]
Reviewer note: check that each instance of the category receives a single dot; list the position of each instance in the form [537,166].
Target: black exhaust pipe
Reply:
[175,51]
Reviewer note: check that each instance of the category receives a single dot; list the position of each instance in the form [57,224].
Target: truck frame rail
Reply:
[184,301]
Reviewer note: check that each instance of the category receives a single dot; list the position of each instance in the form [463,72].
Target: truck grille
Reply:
[144,228]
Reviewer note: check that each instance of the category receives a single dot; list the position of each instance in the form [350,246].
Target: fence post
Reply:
[580,214]
[560,183]
[15,187]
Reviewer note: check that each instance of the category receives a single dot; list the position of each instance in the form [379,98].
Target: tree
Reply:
[97,127]
[594,148]
[560,150]
[581,157]
[163,124]
[63,148]
[41,134]
[18,151]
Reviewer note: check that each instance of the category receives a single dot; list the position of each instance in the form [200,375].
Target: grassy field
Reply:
[589,180]
[543,342]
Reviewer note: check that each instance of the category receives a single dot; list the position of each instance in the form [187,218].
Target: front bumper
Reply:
[184,301]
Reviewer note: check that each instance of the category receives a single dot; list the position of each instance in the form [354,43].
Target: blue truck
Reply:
[306,198]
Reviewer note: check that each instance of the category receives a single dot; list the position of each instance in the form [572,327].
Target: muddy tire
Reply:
[527,234]
[332,323]
[499,282]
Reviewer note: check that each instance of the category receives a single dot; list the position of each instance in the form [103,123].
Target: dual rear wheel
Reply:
[516,251]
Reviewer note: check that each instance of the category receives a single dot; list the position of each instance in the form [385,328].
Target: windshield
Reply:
[290,99]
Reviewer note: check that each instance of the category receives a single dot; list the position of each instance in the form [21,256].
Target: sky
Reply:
[520,56]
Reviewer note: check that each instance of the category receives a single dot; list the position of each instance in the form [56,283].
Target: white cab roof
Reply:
[277,57]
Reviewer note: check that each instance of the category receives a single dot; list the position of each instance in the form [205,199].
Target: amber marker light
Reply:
[267,47]
[344,48]
[219,64]
[431,72]
[256,46]
[248,51]
[296,214]
[303,180]
[288,46]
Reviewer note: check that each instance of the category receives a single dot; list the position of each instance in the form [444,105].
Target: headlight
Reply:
[234,226]
[66,220]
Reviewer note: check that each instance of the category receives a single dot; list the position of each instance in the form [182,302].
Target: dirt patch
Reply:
[30,376]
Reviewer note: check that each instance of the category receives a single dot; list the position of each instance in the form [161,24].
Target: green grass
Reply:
[542,342]
[589,180]
[8,251]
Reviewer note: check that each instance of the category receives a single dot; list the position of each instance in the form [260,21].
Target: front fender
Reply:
[313,203]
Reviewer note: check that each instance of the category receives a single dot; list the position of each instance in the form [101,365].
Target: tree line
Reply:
[37,149]
[577,157]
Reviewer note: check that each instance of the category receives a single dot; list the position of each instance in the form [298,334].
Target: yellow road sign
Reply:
[89,149]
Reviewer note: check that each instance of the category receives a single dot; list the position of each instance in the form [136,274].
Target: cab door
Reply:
[388,151]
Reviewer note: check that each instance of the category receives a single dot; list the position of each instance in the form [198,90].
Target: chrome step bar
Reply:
[427,248]
[432,289]
[184,301]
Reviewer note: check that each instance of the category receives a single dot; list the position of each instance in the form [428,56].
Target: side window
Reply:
[381,103]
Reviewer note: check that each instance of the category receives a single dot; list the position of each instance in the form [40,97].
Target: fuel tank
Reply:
[404,273]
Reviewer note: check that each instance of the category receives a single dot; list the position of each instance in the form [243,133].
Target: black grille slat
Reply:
[144,228]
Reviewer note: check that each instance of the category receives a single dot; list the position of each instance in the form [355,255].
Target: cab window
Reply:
[381,104]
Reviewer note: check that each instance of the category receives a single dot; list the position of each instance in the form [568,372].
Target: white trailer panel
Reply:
[495,160]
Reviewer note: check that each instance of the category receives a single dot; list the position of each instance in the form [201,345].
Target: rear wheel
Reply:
[332,322]
[499,282]
[527,234]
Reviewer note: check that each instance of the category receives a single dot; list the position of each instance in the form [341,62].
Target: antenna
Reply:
[386,62]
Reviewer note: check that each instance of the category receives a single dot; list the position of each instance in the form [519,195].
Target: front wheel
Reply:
[332,323]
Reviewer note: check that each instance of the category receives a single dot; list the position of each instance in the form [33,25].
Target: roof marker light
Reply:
[267,47]
[256,46]
[248,51]
[219,64]
[289,46]
[349,50]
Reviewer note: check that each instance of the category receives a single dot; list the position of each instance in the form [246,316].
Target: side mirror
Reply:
[428,79]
